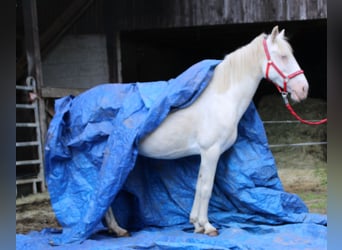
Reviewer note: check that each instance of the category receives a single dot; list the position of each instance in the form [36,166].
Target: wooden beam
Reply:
[118,56]
[113,43]
[111,55]
[34,66]
[49,92]
[32,43]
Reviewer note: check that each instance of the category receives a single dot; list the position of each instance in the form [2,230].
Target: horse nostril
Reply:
[305,89]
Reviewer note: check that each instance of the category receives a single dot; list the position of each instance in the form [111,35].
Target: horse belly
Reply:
[174,138]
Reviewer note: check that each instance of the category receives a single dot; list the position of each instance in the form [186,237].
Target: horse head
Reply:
[281,66]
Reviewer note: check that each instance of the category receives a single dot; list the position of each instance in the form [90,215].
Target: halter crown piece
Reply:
[283,91]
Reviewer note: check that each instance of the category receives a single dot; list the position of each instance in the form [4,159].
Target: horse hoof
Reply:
[199,230]
[120,234]
[125,234]
[213,233]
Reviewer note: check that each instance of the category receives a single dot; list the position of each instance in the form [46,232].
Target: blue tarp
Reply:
[92,163]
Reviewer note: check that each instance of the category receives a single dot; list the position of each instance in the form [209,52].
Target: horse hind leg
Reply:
[113,226]
[204,186]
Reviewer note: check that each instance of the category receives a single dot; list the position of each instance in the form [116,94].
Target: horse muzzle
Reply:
[299,91]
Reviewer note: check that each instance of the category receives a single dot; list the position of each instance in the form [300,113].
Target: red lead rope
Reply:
[284,92]
[289,107]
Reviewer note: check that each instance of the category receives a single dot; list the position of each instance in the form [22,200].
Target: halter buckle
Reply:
[284,94]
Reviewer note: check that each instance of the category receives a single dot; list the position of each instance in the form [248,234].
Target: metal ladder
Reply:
[30,87]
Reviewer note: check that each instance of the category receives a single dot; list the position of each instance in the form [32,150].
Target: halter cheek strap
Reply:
[270,64]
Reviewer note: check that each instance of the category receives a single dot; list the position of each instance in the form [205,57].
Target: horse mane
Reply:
[244,60]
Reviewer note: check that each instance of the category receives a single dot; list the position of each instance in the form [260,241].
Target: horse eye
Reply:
[284,57]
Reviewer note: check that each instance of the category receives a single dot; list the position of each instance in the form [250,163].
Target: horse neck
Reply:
[242,72]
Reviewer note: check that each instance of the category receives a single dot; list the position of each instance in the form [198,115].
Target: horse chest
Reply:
[222,135]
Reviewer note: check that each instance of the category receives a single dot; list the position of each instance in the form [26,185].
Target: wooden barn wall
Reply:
[116,15]
[147,14]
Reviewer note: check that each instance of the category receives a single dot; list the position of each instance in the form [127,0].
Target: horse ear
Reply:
[282,33]
[274,33]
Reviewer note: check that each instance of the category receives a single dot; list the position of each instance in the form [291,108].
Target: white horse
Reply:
[208,127]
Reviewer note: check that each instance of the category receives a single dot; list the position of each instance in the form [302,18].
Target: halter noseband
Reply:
[281,73]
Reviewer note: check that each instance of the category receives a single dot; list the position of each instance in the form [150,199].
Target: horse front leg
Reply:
[113,226]
[204,187]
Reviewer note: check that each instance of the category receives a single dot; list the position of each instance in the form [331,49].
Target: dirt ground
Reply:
[34,212]
[301,169]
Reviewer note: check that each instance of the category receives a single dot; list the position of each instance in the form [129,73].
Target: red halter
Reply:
[283,91]
[271,63]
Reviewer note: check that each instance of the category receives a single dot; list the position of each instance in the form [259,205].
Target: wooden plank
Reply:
[49,92]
